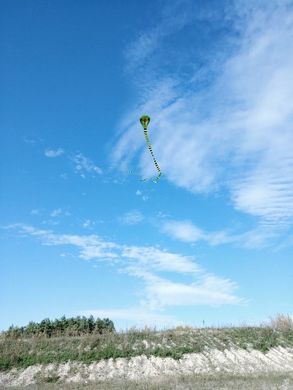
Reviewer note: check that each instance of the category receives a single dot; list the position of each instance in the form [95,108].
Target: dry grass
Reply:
[282,322]
[195,382]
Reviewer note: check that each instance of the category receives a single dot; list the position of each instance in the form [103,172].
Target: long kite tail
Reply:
[151,151]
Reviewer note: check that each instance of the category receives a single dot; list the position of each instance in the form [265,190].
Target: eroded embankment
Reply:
[230,361]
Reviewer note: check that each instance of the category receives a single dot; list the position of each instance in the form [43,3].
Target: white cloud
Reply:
[267,192]
[98,251]
[59,212]
[160,260]
[161,293]
[85,165]
[183,230]
[209,290]
[186,231]
[88,223]
[132,217]
[143,197]
[144,262]
[56,213]
[51,222]
[91,246]
[236,133]
[54,153]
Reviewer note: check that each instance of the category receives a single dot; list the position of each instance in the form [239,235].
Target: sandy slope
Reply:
[232,361]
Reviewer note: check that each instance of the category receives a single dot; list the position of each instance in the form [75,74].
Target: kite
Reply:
[145,120]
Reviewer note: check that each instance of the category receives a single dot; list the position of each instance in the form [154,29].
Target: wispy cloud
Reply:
[174,18]
[161,293]
[186,231]
[51,153]
[267,192]
[145,263]
[56,212]
[183,230]
[59,212]
[84,165]
[236,132]
[90,246]
[132,217]
[29,141]
[88,224]
[160,260]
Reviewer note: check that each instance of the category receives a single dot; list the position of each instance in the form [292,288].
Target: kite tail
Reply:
[151,151]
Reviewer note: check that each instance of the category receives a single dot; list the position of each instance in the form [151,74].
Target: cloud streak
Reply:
[51,153]
[146,263]
[188,232]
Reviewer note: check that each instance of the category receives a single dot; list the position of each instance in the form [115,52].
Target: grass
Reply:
[190,382]
[21,353]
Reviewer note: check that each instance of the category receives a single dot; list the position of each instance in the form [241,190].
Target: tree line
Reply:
[75,326]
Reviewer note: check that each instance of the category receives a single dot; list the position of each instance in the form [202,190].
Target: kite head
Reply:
[145,120]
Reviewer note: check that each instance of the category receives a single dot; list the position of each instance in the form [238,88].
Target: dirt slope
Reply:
[229,361]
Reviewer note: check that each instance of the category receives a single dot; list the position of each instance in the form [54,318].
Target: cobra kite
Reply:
[145,120]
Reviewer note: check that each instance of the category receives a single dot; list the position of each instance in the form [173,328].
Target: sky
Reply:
[81,234]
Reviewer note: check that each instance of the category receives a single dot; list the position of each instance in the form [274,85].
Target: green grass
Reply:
[21,353]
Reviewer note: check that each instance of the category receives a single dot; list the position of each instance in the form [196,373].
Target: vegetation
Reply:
[281,322]
[195,382]
[78,326]
[53,341]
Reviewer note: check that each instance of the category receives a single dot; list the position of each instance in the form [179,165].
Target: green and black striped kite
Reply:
[145,120]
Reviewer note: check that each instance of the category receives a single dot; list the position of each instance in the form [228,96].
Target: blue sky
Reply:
[80,233]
